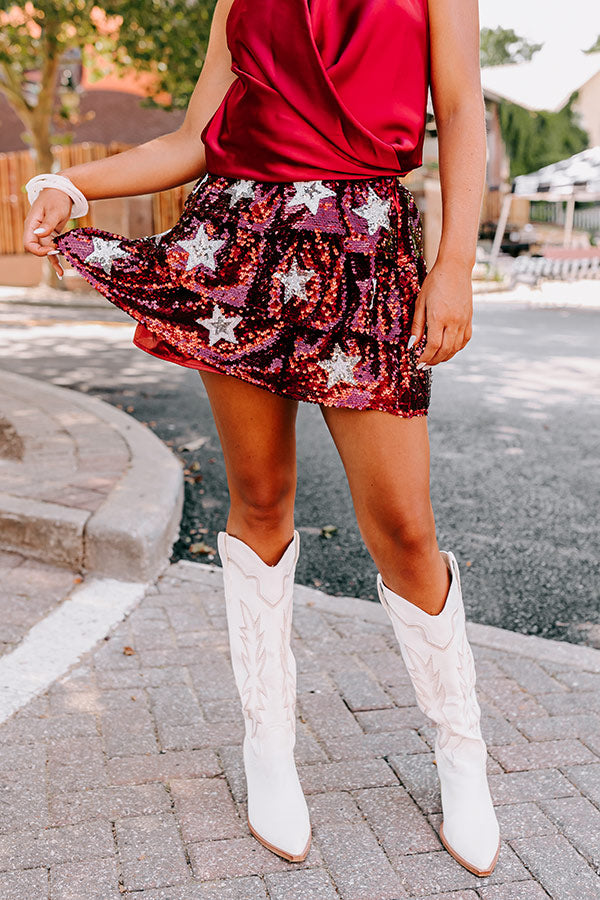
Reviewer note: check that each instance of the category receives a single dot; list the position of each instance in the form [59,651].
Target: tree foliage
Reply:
[499,46]
[164,37]
[536,139]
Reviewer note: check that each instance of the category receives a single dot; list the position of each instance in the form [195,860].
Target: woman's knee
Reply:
[266,497]
[410,530]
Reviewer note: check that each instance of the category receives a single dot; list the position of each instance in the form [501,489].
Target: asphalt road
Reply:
[515,436]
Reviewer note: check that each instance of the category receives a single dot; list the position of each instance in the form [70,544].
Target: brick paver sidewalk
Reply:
[125,778]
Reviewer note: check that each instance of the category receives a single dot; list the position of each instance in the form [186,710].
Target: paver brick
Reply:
[24,802]
[27,885]
[510,698]
[31,729]
[175,704]
[241,856]
[70,843]
[346,775]
[374,744]
[163,766]
[523,820]
[128,735]
[109,803]
[312,884]
[558,867]
[431,873]
[578,821]
[554,728]
[530,676]
[358,865]
[419,776]
[387,666]
[200,735]
[519,787]
[391,719]
[335,807]
[327,716]
[522,890]
[361,691]
[75,881]
[397,821]
[454,895]
[205,810]
[587,779]
[541,755]
[150,852]
[570,702]
[77,764]
[579,681]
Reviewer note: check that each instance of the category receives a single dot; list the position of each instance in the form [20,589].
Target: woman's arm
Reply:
[445,302]
[164,162]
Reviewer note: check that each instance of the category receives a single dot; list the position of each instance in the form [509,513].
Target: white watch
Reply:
[50,180]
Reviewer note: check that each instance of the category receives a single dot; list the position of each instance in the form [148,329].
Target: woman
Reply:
[296,273]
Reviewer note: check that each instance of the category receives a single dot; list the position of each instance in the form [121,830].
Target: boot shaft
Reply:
[259,603]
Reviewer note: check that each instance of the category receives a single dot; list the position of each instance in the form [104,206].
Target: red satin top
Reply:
[324,89]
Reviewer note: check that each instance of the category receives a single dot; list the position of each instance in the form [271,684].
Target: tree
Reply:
[164,37]
[499,46]
[536,139]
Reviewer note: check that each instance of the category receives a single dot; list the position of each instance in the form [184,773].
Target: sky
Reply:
[574,24]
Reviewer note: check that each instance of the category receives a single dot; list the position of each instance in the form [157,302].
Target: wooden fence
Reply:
[18,167]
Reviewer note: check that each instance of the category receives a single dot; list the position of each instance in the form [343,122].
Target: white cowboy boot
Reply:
[440,663]
[259,617]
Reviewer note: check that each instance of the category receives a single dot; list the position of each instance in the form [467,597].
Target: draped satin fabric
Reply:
[324,89]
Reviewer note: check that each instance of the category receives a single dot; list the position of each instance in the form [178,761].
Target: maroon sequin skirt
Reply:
[304,288]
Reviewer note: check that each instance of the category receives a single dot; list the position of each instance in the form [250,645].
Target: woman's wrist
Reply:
[59,182]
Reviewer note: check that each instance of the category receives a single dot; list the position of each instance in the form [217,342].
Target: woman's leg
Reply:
[386,459]
[258,553]
[257,433]
[387,463]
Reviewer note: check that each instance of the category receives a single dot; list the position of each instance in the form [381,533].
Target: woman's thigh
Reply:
[386,458]
[257,433]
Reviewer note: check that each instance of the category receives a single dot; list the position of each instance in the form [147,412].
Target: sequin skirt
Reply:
[304,288]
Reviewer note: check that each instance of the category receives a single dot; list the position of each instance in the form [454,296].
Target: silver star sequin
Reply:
[105,252]
[375,211]
[220,326]
[339,367]
[201,249]
[309,194]
[294,281]
[241,188]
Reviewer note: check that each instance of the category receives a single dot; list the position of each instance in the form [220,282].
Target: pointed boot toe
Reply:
[277,811]
[479,854]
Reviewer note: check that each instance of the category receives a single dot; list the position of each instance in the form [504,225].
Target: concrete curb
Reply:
[129,536]
[530,646]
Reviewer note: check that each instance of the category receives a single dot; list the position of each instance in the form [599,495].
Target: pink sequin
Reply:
[304,288]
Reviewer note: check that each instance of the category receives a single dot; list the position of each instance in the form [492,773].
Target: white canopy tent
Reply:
[574,179]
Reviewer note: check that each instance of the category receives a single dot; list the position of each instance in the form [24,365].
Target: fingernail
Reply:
[412,340]
[423,366]
[59,276]
[52,252]
[39,230]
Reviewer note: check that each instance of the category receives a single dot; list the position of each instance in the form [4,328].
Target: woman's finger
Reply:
[435,335]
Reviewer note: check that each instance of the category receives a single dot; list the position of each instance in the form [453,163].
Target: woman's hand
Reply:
[445,304]
[47,217]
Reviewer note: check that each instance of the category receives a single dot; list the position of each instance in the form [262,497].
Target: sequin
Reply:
[304,288]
